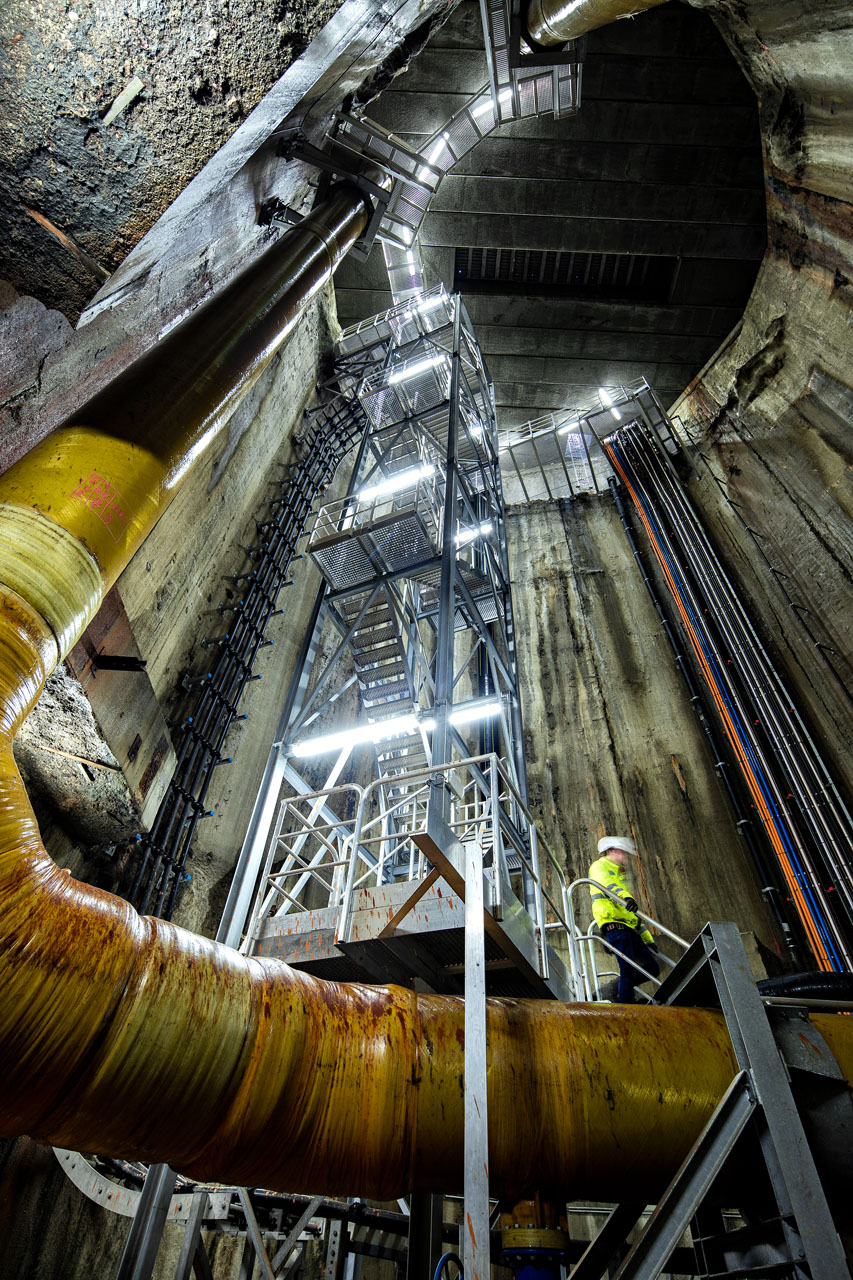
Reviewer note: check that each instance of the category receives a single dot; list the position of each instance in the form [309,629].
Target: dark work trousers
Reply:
[630,946]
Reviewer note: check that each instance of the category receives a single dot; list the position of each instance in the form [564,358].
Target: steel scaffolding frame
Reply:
[416,597]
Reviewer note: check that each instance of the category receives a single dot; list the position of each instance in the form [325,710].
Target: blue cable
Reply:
[443,1261]
[699,630]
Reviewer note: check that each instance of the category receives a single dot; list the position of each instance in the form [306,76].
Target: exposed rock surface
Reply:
[67,765]
[203,66]
[773,412]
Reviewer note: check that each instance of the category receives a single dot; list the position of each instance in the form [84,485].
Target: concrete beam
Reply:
[685,124]
[625,77]
[508,339]
[594,235]
[560,372]
[657,160]
[579,314]
[654,202]
[523,401]
[603,317]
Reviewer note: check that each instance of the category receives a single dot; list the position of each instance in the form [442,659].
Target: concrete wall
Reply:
[612,743]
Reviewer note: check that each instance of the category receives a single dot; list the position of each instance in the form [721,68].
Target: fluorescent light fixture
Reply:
[468,535]
[394,484]
[437,149]
[396,727]
[574,425]
[469,712]
[425,174]
[430,304]
[488,105]
[410,257]
[607,400]
[412,370]
[406,234]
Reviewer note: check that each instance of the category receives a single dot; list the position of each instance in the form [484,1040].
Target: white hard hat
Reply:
[616,842]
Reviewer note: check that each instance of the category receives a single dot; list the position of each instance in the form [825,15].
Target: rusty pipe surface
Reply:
[554,21]
[129,1036]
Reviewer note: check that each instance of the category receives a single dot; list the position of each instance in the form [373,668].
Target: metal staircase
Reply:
[367,879]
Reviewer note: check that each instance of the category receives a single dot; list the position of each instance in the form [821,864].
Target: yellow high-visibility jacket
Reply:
[604,909]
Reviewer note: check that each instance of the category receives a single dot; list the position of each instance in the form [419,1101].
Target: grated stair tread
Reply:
[392,691]
[363,638]
[383,673]
[382,653]
[379,612]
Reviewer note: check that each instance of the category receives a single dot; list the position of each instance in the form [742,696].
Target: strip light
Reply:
[396,727]
[482,709]
[394,484]
[425,174]
[574,425]
[430,304]
[607,400]
[412,370]
[468,535]
[489,105]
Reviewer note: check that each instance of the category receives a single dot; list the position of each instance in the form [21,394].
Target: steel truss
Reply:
[754,1154]
[415,618]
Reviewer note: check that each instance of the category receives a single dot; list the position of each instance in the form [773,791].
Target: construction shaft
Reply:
[128,1036]
[552,22]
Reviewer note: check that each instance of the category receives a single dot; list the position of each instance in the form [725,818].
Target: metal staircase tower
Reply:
[365,878]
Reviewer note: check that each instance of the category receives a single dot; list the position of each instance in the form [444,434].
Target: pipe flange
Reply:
[551,1238]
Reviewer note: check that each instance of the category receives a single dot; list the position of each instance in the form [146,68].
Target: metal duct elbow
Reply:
[552,22]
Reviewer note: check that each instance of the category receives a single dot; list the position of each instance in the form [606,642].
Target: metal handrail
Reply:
[576,939]
[268,881]
[494,796]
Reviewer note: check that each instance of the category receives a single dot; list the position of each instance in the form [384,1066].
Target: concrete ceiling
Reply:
[662,162]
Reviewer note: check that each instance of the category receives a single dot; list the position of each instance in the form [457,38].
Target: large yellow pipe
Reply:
[554,21]
[131,1037]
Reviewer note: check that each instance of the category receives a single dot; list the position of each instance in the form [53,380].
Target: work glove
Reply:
[631,904]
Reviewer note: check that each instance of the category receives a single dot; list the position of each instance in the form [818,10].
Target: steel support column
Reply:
[447,590]
[146,1229]
[475,1226]
[425,1236]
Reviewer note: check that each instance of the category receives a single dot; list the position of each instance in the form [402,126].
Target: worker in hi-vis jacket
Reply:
[618,921]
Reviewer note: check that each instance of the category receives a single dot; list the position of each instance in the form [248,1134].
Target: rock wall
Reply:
[145,92]
[772,414]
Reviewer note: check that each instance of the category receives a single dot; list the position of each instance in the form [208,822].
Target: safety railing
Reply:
[317,859]
[417,489]
[483,805]
[584,962]
[308,856]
